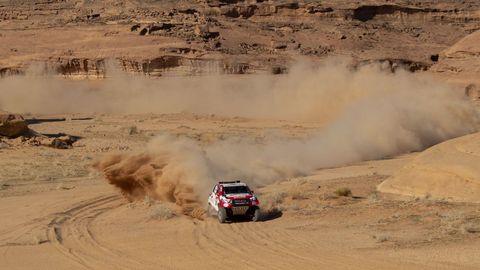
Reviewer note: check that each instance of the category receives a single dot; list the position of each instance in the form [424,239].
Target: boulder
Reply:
[62,143]
[12,125]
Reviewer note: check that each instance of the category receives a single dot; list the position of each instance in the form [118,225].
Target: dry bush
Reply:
[381,238]
[343,192]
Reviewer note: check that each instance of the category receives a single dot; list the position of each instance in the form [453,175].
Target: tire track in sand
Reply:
[70,233]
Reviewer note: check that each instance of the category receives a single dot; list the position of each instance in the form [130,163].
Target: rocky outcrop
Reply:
[393,65]
[163,37]
[9,71]
[369,12]
[159,64]
[12,125]
[79,67]
[183,65]
[238,11]
[409,14]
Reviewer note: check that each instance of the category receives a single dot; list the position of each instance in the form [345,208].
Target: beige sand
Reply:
[447,171]
[130,194]
[58,212]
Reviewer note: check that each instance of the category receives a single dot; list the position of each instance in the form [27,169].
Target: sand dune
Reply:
[450,170]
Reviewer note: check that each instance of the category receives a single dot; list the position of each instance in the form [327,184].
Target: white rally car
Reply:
[233,198]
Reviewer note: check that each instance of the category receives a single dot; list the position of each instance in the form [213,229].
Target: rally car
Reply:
[233,198]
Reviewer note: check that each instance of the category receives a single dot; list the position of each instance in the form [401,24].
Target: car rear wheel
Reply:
[222,215]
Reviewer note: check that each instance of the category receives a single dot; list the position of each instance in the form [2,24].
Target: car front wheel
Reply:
[222,215]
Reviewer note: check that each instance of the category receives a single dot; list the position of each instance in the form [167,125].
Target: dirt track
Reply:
[83,223]
[279,93]
[95,231]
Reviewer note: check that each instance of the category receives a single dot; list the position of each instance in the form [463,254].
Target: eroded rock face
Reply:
[167,38]
[12,125]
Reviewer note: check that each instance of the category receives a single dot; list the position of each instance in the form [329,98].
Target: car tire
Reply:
[256,215]
[222,215]
[209,210]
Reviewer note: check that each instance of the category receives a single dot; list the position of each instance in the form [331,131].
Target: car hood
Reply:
[238,196]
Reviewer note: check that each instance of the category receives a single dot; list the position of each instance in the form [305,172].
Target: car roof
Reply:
[232,184]
[235,185]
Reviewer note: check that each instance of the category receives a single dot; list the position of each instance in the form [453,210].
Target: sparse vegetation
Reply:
[381,238]
[343,192]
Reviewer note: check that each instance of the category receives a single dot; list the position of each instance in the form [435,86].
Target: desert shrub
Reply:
[343,192]
[381,238]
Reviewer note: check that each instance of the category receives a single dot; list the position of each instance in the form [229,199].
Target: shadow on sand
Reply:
[265,215]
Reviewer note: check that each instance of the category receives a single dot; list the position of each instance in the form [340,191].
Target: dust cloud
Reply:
[171,170]
[306,93]
[366,114]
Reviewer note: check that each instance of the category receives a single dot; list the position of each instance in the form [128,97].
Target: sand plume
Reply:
[366,114]
[170,170]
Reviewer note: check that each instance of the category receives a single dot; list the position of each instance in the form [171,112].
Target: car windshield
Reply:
[236,189]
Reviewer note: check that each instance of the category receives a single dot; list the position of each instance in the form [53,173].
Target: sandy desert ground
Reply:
[381,99]
[58,213]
